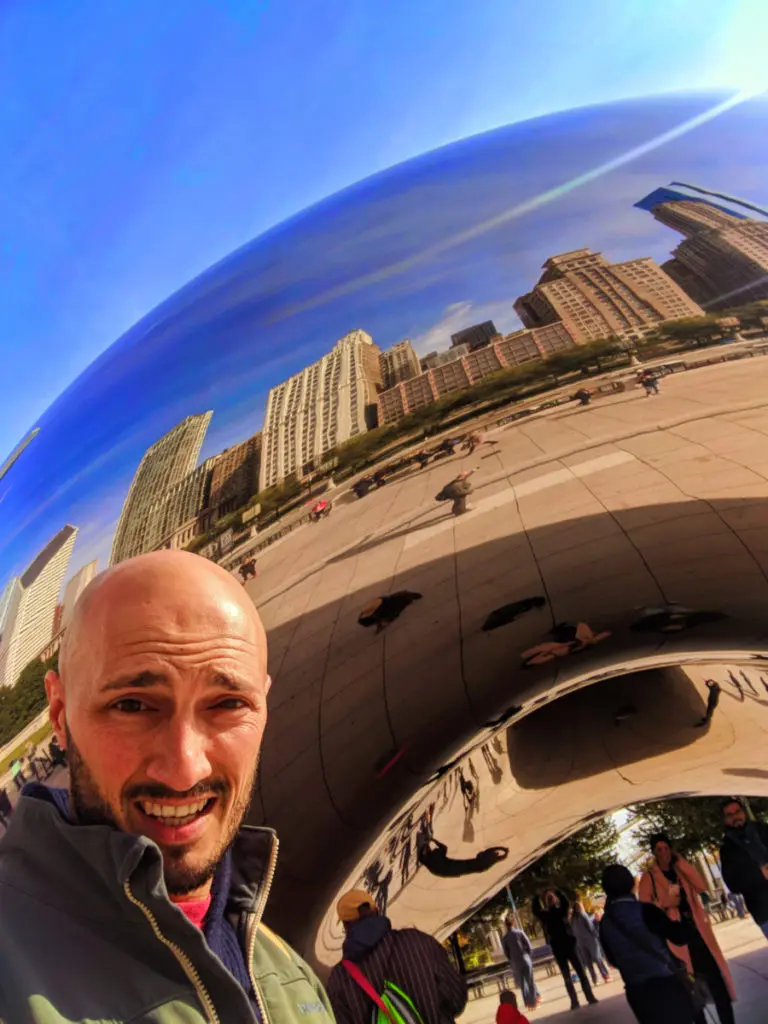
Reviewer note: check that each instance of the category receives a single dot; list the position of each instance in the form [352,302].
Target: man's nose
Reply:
[181,759]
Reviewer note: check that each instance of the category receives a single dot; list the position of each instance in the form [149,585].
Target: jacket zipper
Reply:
[253,926]
[181,956]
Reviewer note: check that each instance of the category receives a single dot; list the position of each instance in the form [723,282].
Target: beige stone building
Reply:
[398,363]
[596,299]
[319,408]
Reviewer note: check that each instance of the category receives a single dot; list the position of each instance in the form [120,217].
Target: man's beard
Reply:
[89,807]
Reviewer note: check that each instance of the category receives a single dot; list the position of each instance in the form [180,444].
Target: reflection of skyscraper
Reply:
[29,624]
[235,476]
[162,467]
[73,590]
[398,363]
[476,336]
[723,260]
[596,299]
[319,408]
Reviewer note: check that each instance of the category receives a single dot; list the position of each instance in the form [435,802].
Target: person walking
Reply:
[553,915]
[588,943]
[135,895]
[5,807]
[634,936]
[674,885]
[379,960]
[519,952]
[744,860]
[457,491]
[713,699]
[649,381]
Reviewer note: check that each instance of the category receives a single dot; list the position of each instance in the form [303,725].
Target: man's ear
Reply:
[55,690]
[268,684]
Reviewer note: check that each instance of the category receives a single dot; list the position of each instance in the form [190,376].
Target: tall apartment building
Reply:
[476,336]
[595,299]
[320,408]
[164,465]
[72,592]
[179,504]
[398,363]
[29,627]
[723,260]
[235,476]
[444,378]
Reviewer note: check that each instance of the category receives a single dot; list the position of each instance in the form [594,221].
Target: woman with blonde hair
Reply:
[674,885]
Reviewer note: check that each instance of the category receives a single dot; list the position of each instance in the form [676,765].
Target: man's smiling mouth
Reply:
[176,815]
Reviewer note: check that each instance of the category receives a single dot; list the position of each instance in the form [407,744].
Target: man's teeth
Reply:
[168,811]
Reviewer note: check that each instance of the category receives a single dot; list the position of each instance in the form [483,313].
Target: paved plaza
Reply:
[742,943]
[630,502]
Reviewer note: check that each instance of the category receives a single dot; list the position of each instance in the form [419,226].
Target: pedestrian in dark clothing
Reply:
[744,860]
[457,491]
[519,952]
[407,957]
[634,936]
[554,920]
[587,943]
[383,611]
[713,699]
[5,807]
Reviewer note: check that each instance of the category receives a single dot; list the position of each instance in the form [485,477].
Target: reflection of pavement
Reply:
[742,943]
[614,513]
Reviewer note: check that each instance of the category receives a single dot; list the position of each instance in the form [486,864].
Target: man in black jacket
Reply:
[744,859]
[561,940]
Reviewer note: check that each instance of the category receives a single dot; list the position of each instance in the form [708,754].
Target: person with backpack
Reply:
[634,938]
[389,975]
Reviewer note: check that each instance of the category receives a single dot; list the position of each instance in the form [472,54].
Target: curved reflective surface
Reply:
[496,566]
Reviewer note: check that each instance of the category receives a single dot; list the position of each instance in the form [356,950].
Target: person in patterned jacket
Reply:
[411,959]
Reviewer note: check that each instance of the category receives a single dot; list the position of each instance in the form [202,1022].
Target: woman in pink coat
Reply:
[674,885]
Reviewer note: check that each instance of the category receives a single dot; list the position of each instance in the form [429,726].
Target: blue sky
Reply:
[418,251]
[143,141]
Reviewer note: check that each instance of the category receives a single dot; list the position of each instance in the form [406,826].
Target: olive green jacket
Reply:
[88,934]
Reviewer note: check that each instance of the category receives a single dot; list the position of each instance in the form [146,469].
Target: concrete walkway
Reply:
[742,943]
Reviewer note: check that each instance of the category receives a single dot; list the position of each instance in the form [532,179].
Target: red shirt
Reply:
[195,909]
[509,1014]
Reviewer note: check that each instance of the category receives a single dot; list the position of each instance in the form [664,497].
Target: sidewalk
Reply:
[742,943]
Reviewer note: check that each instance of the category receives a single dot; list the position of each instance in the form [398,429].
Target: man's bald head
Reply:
[160,701]
[169,584]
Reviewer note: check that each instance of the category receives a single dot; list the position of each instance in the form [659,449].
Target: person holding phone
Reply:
[675,886]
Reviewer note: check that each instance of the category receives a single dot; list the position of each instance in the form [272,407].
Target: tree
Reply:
[20,703]
[573,865]
[693,824]
[699,329]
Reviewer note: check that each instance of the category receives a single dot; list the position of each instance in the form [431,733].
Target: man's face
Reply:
[163,709]
[734,815]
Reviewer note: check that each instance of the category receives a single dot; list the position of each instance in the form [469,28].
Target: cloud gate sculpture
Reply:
[485,438]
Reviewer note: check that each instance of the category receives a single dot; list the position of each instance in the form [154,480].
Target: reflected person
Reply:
[744,860]
[588,943]
[675,886]
[135,895]
[553,915]
[434,856]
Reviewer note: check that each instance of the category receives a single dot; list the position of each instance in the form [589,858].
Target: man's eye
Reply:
[129,705]
[230,704]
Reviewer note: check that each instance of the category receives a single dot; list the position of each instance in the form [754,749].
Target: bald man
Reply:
[138,895]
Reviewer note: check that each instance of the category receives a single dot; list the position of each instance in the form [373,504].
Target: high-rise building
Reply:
[476,336]
[398,363]
[17,451]
[72,592]
[31,627]
[723,260]
[596,299]
[235,476]
[164,465]
[321,407]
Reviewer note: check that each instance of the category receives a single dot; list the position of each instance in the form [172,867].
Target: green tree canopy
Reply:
[20,703]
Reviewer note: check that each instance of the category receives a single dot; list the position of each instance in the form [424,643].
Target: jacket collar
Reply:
[83,869]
